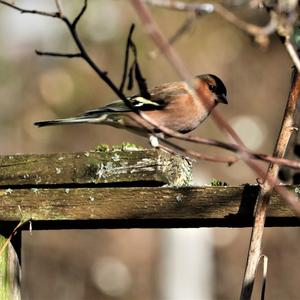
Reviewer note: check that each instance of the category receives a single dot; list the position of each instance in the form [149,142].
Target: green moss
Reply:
[216,182]
[91,169]
[102,148]
[126,146]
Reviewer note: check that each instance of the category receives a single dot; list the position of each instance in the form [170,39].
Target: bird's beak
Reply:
[222,99]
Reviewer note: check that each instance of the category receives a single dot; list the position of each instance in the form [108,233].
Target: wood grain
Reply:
[104,167]
[143,207]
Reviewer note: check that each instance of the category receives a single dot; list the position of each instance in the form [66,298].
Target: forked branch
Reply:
[281,20]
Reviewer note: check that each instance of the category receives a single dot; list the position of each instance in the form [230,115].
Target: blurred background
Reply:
[141,264]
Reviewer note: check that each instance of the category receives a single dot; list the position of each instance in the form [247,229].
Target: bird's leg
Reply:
[154,142]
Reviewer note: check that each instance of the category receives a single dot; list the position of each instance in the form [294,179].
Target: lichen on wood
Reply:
[110,166]
[231,206]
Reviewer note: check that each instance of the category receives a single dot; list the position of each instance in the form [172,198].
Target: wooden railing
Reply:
[121,188]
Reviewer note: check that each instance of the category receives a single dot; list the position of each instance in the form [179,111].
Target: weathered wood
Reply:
[143,207]
[9,272]
[121,189]
[101,167]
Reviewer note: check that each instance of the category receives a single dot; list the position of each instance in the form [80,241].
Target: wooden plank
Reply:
[231,206]
[9,272]
[99,167]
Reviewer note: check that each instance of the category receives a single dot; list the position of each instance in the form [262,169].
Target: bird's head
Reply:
[215,87]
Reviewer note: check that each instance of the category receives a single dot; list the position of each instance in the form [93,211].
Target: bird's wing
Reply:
[160,97]
[137,102]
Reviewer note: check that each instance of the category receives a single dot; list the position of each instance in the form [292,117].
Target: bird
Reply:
[174,105]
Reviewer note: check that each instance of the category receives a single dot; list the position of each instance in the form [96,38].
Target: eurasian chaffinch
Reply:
[173,105]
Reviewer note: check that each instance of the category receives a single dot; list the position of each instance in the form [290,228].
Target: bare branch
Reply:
[263,199]
[161,42]
[181,69]
[292,52]
[201,156]
[56,54]
[126,59]
[179,66]
[199,8]
[260,33]
[175,60]
[83,53]
[59,7]
[159,38]
[265,260]
[238,149]
[31,11]
[179,33]
[83,9]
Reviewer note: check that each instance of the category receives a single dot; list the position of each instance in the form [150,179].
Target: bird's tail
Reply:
[69,121]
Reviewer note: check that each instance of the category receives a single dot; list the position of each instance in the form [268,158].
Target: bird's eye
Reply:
[212,87]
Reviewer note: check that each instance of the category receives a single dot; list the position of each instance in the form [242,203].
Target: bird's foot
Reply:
[154,142]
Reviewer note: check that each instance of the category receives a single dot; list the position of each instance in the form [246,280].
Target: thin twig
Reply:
[83,9]
[265,260]
[263,199]
[56,54]
[292,52]
[260,33]
[204,8]
[153,30]
[59,7]
[162,43]
[178,34]
[235,148]
[238,149]
[126,59]
[182,29]
[181,69]
[136,71]
[174,59]
[83,53]
[72,28]
[202,156]
[31,11]
[85,56]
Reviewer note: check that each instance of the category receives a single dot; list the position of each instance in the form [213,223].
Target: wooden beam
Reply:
[120,189]
[147,167]
[100,207]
